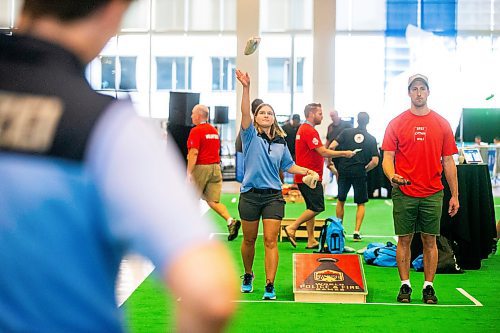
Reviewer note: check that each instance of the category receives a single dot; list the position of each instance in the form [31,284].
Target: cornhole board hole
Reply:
[328,278]
[301,231]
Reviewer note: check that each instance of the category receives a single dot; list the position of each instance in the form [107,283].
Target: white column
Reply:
[324,58]
[247,25]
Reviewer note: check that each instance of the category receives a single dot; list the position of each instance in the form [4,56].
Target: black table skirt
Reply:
[473,228]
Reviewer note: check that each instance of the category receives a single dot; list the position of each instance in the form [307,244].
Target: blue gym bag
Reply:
[380,254]
[332,237]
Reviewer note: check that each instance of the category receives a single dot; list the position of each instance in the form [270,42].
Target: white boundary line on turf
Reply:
[133,270]
[462,291]
[469,296]
[388,202]
[389,304]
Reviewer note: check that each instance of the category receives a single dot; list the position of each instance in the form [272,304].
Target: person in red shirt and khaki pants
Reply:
[203,166]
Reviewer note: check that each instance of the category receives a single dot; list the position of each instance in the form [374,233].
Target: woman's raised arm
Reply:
[246,118]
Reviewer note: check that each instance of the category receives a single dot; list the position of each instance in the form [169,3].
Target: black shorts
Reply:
[253,205]
[314,198]
[359,185]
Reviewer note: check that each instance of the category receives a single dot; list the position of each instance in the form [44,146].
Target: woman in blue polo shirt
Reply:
[265,153]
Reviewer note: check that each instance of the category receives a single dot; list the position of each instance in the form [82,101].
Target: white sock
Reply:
[356,232]
[407,282]
[427,283]
[229,221]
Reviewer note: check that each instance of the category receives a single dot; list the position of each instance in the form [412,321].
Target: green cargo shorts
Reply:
[413,214]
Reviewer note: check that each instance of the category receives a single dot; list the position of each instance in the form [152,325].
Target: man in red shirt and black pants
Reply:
[310,153]
[203,165]
[418,146]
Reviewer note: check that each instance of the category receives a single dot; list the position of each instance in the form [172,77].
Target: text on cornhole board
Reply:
[333,278]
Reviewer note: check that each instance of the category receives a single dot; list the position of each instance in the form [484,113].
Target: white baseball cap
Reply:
[420,77]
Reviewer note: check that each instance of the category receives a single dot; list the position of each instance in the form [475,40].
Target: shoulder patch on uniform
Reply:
[28,122]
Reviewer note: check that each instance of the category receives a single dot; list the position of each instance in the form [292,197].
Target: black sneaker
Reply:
[356,237]
[233,228]
[404,295]
[429,295]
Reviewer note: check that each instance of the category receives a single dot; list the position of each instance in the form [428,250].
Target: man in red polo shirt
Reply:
[203,167]
[310,153]
[418,146]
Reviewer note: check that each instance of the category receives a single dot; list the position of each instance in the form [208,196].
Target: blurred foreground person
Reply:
[84,181]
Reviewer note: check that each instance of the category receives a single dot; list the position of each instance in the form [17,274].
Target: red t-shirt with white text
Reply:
[205,138]
[419,143]
[306,141]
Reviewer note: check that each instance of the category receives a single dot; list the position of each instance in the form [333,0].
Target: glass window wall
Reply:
[454,42]
[190,45]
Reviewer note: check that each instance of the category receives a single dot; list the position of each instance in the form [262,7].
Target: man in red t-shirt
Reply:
[310,153]
[203,165]
[418,145]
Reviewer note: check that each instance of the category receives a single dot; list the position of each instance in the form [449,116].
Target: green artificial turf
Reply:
[150,308]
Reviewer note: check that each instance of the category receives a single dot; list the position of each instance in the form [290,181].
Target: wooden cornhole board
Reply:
[301,231]
[328,278]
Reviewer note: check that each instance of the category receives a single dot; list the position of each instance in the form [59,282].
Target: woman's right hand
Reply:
[244,78]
